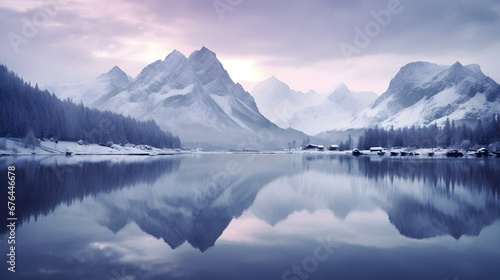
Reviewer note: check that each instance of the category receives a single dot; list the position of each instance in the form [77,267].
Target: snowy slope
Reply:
[95,93]
[311,112]
[194,98]
[279,103]
[423,93]
[340,105]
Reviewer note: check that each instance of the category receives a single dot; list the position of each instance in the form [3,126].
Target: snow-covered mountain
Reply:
[95,93]
[193,97]
[423,93]
[278,103]
[342,104]
[309,112]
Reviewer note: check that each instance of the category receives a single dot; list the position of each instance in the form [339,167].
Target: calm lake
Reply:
[247,216]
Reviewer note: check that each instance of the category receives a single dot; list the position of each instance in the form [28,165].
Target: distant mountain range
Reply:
[420,94]
[193,97]
[309,112]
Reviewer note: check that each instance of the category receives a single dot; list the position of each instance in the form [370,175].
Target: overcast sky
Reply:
[308,44]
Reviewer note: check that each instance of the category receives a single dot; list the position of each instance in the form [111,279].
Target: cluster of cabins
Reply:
[336,148]
[482,152]
[320,147]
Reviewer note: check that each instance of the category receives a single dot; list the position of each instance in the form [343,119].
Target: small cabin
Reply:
[333,148]
[376,149]
[356,152]
[310,147]
[320,148]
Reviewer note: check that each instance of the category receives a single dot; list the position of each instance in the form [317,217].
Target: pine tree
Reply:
[30,140]
[479,133]
[361,142]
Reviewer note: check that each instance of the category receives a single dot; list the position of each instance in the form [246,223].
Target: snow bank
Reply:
[15,146]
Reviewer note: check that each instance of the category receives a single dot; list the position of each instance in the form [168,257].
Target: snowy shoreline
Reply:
[17,147]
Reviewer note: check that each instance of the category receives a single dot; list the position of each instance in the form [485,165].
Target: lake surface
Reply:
[244,216]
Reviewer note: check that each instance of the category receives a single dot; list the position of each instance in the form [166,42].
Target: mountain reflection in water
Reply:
[247,216]
[195,198]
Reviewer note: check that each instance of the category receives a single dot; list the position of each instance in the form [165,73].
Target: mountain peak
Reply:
[203,53]
[457,64]
[114,73]
[340,93]
[272,80]
[341,86]
[116,69]
[418,68]
[416,72]
[271,85]
[457,73]
[418,64]
[210,70]
[175,53]
[475,68]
